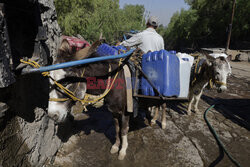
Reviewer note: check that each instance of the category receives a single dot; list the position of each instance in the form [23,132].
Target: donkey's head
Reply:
[221,69]
[60,103]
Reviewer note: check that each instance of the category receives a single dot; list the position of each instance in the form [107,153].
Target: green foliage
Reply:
[179,29]
[90,18]
[241,25]
[206,24]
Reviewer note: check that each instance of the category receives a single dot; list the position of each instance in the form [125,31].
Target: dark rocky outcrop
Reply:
[27,136]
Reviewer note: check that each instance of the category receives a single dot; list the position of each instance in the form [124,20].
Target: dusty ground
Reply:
[186,142]
[241,69]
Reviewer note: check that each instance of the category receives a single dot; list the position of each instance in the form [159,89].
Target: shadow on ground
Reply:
[237,110]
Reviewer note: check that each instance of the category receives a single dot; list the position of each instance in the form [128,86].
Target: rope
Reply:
[121,51]
[195,70]
[70,93]
[217,137]
[46,74]
[106,91]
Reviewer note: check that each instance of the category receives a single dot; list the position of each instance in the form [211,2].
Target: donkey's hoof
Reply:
[188,112]
[196,110]
[153,122]
[163,125]
[122,155]
[114,149]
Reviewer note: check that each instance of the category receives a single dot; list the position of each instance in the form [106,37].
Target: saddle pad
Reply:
[127,75]
[76,42]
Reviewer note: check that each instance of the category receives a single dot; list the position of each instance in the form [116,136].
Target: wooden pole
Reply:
[230,27]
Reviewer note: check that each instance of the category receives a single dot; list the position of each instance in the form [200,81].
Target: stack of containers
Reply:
[186,62]
[169,72]
[162,68]
[106,50]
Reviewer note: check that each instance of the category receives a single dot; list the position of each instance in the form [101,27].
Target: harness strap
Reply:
[211,81]
[58,99]
[220,83]
[108,88]
[195,70]
[70,93]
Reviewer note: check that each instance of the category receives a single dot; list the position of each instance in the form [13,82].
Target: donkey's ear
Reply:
[65,47]
[82,54]
[87,51]
[228,58]
[223,58]
[209,59]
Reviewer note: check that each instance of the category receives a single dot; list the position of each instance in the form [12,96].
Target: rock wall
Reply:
[49,19]
[27,136]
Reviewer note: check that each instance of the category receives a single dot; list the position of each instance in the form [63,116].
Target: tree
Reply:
[206,24]
[179,31]
[90,18]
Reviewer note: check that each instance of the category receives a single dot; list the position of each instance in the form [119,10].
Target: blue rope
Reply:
[217,137]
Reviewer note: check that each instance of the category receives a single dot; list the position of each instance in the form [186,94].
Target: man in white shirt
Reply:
[149,39]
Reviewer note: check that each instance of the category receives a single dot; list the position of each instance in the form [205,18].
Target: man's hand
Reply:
[118,43]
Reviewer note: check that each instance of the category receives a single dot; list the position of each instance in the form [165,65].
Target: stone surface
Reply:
[6,75]
[49,19]
[27,136]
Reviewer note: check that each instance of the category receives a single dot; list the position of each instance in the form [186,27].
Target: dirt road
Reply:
[241,69]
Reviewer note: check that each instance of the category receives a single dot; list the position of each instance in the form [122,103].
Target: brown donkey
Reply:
[76,79]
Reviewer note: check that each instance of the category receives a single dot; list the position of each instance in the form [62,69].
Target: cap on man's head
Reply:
[153,20]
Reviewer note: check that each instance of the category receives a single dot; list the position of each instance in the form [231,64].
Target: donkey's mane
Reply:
[202,69]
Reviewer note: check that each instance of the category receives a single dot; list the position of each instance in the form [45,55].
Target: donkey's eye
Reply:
[217,73]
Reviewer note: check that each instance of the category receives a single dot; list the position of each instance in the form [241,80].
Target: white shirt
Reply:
[147,40]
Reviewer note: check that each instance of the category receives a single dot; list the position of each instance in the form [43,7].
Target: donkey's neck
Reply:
[208,72]
[205,75]
[98,74]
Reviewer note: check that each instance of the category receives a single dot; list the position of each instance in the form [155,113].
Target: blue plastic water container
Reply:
[172,52]
[106,50]
[162,68]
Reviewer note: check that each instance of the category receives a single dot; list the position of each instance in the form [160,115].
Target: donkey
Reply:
[76,79]
[213,71]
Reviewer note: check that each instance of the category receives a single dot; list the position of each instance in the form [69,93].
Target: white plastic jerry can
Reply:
[186,62]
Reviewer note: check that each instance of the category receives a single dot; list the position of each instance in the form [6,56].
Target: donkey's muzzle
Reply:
[221,89]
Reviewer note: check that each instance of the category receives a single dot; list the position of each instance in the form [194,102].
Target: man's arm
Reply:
[163,47]
[133,41]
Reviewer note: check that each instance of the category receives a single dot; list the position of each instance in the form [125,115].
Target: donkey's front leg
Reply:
[190,104]
[163,119]
[156,115]
[115,147]
[124,135]
[197,99]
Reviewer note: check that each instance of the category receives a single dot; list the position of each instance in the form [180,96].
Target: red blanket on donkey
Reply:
[76,42]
